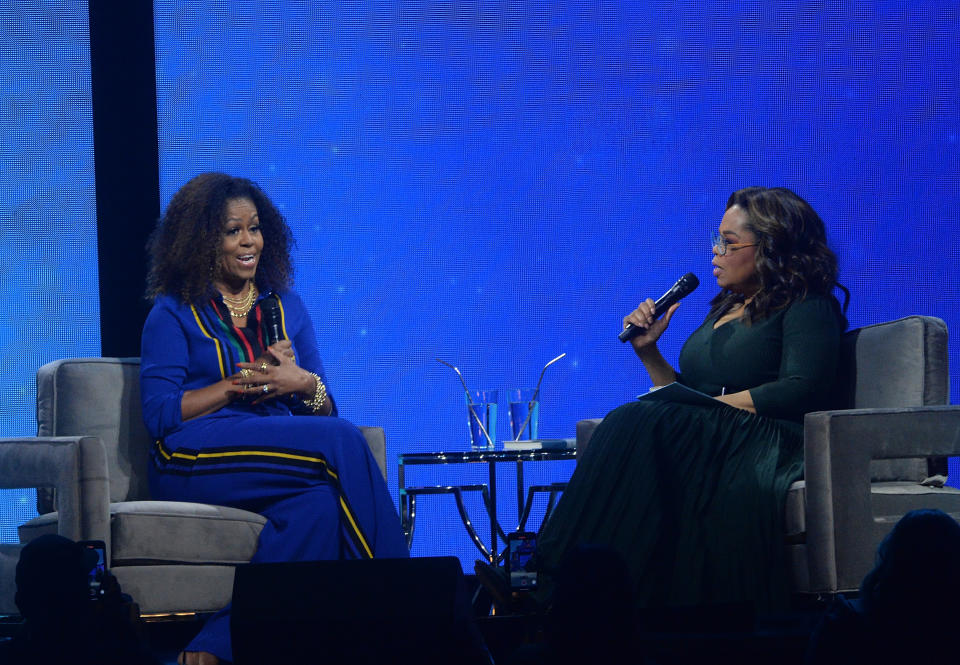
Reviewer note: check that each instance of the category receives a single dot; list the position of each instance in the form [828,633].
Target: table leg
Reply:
[519,493]
[494,546]
[554,489]
[406,505]
[411,519]
[457,492]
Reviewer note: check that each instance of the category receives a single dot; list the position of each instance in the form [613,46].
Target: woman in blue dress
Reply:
[238,421]
[693,496]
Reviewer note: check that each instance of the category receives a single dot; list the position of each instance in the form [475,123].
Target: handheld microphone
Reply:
[271,320]
[684,287]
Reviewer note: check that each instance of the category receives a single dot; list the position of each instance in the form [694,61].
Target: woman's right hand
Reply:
[212,398]
[642,316]
[284,346]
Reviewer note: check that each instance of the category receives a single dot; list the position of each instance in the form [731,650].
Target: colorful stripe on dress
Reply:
[231,344]
[216,342]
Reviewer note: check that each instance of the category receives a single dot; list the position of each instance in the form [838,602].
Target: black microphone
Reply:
[271,320]
[684,287]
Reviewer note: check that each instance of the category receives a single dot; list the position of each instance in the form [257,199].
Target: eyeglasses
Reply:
[720,244]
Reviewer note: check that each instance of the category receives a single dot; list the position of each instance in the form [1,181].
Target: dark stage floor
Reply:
[720,635]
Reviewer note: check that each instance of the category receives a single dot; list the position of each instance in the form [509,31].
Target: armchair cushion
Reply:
[171,532]
[889,501]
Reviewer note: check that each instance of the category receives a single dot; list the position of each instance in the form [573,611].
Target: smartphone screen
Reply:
[521,547]
[95,576]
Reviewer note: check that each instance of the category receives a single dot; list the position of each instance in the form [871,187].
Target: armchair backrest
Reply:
[97,397]
[896,364]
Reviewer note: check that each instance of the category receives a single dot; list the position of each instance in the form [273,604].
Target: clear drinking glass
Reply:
[524,413]
[482,418]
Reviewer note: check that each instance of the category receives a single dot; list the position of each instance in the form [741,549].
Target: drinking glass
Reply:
[482,418]
[524,413]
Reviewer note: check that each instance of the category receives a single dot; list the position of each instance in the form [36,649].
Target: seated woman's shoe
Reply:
[494,580]
[197,658]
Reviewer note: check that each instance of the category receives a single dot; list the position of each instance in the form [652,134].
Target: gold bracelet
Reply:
[319,395]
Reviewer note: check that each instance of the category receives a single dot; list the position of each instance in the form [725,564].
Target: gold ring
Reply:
[266,388]
[263,367]
[246,372]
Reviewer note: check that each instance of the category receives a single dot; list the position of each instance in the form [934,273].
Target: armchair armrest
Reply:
[377,441]
[76,466]
[585,430]
[838,448]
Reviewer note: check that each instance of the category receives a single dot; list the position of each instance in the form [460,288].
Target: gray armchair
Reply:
[873,460]
[89,463]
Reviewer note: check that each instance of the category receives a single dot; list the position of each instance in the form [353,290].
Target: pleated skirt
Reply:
[691,496]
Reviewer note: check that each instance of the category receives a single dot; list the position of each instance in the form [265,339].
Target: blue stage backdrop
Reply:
[48,278]
[494,184]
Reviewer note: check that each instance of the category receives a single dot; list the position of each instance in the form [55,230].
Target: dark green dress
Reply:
[693,496]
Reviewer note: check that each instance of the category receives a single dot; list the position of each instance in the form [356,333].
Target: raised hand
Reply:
[642,316]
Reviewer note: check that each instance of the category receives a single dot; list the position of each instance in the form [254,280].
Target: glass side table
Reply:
[488,491]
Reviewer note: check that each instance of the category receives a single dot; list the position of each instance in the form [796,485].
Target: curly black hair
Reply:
[185,247]
[792,260]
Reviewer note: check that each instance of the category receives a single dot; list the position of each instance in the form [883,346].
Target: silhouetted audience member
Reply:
[62,623]
[908,602]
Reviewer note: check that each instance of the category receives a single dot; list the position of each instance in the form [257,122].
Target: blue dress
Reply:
[313,477]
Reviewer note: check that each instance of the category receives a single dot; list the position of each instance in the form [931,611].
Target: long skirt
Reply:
[692,497]
[313,478]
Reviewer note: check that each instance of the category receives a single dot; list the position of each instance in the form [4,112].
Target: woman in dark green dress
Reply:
[693,496]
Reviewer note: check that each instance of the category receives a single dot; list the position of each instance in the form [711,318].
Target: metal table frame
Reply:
[488,492]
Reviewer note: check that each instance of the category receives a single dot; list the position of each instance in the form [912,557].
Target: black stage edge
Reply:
[126,163]
[401,611]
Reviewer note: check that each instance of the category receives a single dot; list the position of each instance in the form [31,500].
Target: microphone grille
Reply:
[689,282]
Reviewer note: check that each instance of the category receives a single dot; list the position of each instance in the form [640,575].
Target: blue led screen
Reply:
[494,184]
[48,279]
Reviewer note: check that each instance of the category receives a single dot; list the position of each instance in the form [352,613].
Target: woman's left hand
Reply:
[275,374]
[741,400]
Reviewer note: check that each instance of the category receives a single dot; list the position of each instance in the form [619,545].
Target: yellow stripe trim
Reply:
[216,342]
[356,529]
[283,323]
[259,453]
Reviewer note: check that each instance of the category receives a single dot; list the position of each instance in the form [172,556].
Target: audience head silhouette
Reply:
[51,579]
[62,623]
[907,602]
[917,574]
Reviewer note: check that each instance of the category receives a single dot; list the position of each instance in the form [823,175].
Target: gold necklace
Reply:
[238,299]
[240,307]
